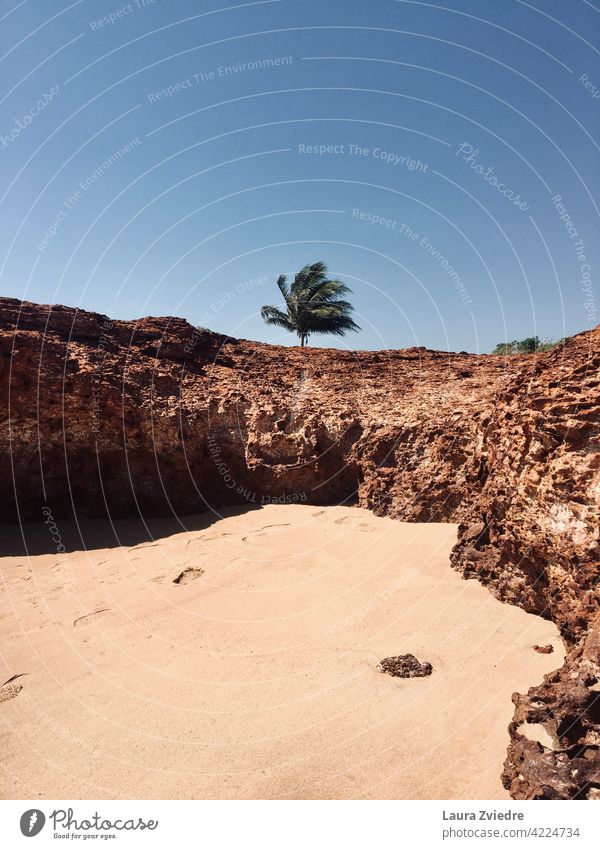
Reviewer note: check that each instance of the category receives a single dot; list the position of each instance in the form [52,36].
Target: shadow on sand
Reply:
[31,539]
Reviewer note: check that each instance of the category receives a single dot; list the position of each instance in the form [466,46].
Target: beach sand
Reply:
[237,658]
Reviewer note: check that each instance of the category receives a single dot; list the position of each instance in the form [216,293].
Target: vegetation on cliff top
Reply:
[530,345]
[313,304]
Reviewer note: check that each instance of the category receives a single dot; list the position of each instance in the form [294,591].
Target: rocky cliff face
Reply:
[152,417]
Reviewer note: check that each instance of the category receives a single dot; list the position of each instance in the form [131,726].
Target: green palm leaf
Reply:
[313,304]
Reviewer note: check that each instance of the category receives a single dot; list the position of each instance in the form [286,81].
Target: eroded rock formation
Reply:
[152,417]
[567,707]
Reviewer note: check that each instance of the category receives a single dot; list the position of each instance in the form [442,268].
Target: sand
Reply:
[238,659]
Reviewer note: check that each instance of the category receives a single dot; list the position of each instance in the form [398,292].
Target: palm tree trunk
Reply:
[302,340]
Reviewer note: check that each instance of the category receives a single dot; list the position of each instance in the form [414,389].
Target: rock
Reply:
[191,573]
[545,649]
[567,704]
[405,666]
[153,416]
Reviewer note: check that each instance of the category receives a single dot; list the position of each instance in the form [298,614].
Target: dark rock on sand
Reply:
[405,666]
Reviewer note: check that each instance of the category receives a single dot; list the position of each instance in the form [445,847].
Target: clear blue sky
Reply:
[156,161]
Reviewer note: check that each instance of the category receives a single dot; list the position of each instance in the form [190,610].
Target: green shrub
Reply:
[530,345]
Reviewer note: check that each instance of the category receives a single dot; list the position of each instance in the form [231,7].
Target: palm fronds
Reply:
[313,304]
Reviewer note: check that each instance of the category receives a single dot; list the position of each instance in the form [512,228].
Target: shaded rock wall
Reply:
[536,543]
[152,417]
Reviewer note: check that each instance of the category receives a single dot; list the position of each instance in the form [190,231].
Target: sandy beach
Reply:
[236,657]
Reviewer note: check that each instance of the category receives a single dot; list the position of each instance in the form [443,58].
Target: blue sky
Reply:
[172,158]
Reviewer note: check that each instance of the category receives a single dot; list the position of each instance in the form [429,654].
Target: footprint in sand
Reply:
[11,688]
[350,520]
[259,533]
[192,573]
[85,619]
[143,545]
[10,691]
[201,540]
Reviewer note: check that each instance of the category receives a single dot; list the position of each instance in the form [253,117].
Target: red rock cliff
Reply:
[107,416]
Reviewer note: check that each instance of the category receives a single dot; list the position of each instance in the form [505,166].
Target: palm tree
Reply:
[313,303]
